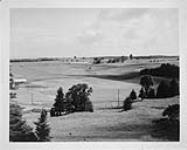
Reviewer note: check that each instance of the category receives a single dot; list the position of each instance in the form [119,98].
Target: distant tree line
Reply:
[156,57]
[33,59]
[121,59]
[165,70]
[76,99]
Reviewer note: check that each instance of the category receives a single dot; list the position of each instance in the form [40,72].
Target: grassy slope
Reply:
[109,125]
[102,125]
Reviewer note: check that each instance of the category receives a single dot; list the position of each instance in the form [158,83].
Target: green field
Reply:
[104,124]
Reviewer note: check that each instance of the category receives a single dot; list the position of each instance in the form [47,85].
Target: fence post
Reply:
[118,97]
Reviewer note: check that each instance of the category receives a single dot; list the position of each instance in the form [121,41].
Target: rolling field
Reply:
[104,124]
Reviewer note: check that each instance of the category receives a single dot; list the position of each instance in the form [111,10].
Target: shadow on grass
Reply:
[166,129]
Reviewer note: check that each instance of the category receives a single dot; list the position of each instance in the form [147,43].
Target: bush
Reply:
[133,95]
[19,130]
[127,104]
[42,127]
[77,98]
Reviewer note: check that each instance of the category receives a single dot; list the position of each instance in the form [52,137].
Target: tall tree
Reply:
[131,56]
[59,102]
[19,130]
[146,82]
[133,95]
[42,128]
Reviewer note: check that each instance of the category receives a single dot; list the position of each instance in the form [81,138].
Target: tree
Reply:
[151,93]
[163,90]
[123,58]
[19,131]
[59,102]
[77,98]
[97,60]
[169,126]
[172,112]
[42,128]
[174,87]
[133,95]
[127,104]
[146,82]
[142,93]
[130,56]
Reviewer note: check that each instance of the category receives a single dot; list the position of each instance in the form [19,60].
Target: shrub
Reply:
[42,127]
[19,130]
[77,98]
[163,90]
[133,95]
[127,104]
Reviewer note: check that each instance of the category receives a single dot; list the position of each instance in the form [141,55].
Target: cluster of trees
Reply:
[147,90]
[164,90]
[121,59]
[168,127]
[76,99]
[97,60]
[168,89]
[21,132]
[165,70]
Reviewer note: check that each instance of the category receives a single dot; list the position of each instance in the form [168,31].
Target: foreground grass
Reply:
[111,124]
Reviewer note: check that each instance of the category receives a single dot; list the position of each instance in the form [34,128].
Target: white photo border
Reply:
[6,5]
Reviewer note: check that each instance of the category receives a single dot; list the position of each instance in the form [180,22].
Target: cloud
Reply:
[107,31]
[139,29]
[90,36]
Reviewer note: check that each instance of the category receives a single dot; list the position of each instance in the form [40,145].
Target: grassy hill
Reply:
[110,124]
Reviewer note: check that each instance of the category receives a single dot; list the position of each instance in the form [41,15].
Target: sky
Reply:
[82,32]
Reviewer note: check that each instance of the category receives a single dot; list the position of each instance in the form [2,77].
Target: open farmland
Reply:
[104,124]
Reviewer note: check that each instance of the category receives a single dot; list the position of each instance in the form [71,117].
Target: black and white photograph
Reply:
[101,74]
